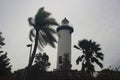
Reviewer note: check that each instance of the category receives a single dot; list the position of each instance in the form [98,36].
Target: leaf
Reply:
[1,51]
[78,59]
[41,40]
[31,22]
[82,57]
[97,62]
[49,38]
[100,57]
[32,35]
[76,47]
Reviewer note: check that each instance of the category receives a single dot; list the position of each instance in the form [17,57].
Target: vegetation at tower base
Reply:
[91,54]
[5,67]
[41,63]
[42,31]
[66,65]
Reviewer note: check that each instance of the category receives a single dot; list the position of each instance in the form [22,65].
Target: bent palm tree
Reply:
[42,31]
[90,55]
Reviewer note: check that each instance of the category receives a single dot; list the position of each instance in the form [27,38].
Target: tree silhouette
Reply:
[91,54]
[5,67]
[41,62]
[42,31]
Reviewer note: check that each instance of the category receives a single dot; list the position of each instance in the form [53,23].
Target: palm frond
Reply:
[98,49]
[83,56]
[40,46]
[98,45]
[78,60]
[100,56]
[53,31]
[41,40]
[41,16]
[1,51]
[94,43]
[100,64]
[31,21]
[50,22]
[49,38]
[2,43]
[32,35]
[1,40]
[75,46]
[97,62]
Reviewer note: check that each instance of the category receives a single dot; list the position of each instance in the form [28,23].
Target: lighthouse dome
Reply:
[65,26]
[65,22]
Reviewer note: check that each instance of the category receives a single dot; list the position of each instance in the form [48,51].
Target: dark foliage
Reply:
[91,54]
[5,67]
[61,75]
[41,63]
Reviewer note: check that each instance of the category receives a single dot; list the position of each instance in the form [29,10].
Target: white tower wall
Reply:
[64,45]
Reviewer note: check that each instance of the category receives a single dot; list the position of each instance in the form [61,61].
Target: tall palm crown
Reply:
[91,54]
[42,31]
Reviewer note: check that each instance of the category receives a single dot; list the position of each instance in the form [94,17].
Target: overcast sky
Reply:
[98,20]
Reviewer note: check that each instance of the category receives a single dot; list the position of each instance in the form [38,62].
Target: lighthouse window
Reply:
[60,59]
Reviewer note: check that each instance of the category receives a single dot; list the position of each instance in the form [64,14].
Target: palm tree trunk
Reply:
[32,57]
[35,49]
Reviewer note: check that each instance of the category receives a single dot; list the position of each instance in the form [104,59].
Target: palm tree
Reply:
[42,31]
[91,54]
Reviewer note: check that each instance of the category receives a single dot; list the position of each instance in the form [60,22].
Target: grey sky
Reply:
[98,20]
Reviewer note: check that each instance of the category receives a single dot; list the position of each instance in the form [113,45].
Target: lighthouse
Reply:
[64,42]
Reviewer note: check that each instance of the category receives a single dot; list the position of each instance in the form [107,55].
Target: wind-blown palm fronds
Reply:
[91,54]
[42,32]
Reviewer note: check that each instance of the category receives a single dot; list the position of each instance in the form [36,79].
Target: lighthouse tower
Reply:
[64,42]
